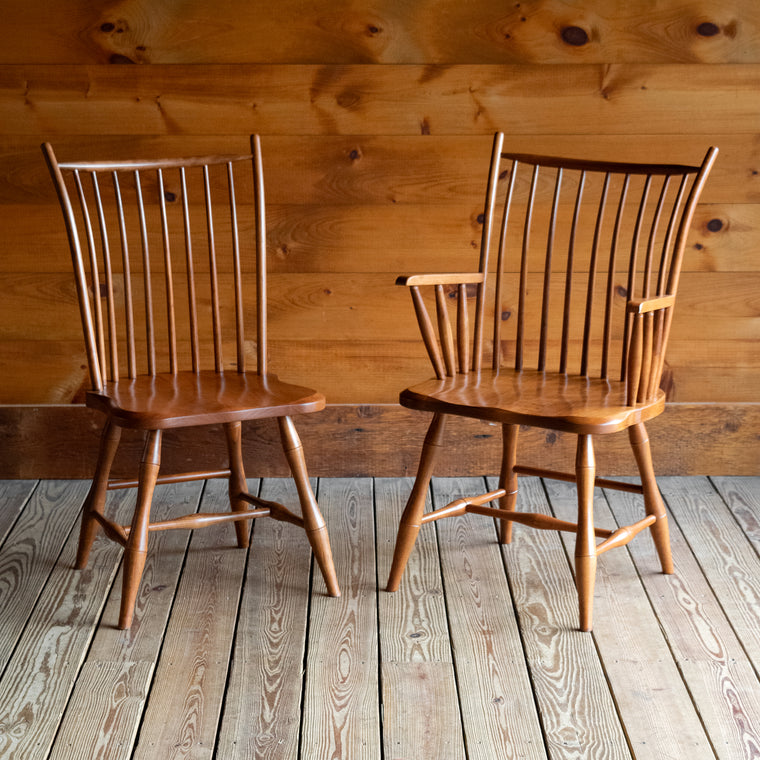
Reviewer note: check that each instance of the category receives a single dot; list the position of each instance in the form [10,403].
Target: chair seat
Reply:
[190,398]
[538,399]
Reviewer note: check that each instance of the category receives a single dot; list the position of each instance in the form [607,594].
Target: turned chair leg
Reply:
[237,482]
[411,519]
[652,499]
[136,547]
[314,523]
[96,497]
[585,541]
[508,479]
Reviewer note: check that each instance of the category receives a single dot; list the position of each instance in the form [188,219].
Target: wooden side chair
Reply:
[160,250]
[580,303]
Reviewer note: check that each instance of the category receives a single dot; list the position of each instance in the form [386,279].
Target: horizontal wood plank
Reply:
[487,31]
[378,440]
[57,373]
[396,238]
[362,306]
[385,169]
[628,99]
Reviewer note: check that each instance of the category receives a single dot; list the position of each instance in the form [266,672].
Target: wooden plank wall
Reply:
[376,121]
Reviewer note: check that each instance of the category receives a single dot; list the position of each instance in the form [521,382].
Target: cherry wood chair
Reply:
[160,250]
[580,303]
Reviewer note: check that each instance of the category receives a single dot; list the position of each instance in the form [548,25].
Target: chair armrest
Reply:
[445,278]
[447,353]
[646,349]
[645,305]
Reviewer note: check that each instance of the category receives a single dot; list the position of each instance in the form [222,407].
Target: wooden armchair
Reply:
[161,249]
[580,303]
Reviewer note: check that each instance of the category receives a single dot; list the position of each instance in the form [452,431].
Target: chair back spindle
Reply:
[587,267]
[138,315]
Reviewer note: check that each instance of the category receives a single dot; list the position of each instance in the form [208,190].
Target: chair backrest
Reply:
[160,249]
[568,246]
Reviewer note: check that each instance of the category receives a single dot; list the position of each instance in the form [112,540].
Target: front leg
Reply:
[585,540]
[136,548]
[96,497]
[411,519]
[314,523]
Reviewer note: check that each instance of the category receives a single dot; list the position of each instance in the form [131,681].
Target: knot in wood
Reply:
[348,99]
[708,29]
[575,36]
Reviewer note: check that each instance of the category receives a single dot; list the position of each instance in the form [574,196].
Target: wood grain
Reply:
[689,374]
[30,553]
[37,681]
[163,566]
[263,697]
[386,33]
[661,635]
[417,673]
[389,238]
[498,711]
[376,122]
[654,704]
[197,643]
[344,315]
[579,717]
[380,440]
[272,99]
[385,169]
[113,686]
[728,560]
[719,675]
[108,699]
[13,499]
[740,494]
[361,306]
[341,716]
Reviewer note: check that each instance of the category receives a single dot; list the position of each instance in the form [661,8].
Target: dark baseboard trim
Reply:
[381,441]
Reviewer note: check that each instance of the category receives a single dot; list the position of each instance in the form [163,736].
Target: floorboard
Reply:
[182,714]
[341,716]
[239,653]
[714,666]
[417,668]
[578,711]
[654,703]
[262,712]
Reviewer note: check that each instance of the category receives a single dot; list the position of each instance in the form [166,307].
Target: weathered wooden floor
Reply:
[237,654]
